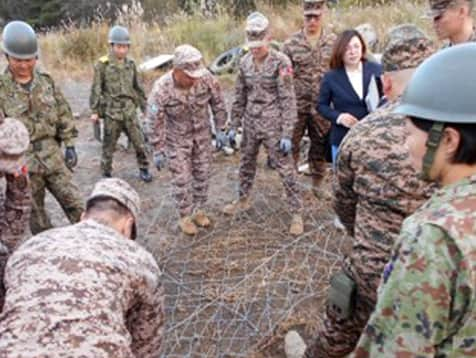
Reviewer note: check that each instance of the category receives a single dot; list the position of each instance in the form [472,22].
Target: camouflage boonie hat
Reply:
[256,30]
[121,191]
[438,7]
[14,142]
[189,59]
[406,47]
[313,7]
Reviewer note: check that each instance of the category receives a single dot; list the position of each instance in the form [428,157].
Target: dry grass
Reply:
[72,50]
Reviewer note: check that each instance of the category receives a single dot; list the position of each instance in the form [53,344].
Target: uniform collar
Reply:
[303,35]
[34,81]
[457,189]
[114,60]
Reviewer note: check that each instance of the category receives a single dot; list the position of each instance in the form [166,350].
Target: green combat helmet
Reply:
[19,40]
[442,91]
[119,35]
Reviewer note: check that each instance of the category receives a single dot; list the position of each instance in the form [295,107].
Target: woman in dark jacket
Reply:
[344,94]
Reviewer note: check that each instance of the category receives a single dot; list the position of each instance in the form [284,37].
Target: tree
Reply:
[47,13]
[209,8]
[242,8]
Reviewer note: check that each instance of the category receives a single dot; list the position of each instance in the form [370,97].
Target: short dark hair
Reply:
[105,203]
[340,46]
[466,152]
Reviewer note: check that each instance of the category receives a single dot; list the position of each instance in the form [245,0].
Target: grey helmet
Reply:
[19,40]
[119,35]
[442,89]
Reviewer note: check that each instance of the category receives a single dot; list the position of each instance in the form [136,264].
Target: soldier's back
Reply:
[386,185]
[434,257]
[69,292]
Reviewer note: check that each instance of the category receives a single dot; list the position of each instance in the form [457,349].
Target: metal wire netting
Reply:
[236,288]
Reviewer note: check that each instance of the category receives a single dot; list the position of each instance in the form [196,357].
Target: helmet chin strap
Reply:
[434,138]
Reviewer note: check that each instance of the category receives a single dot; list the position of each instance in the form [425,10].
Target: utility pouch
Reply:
[341,297]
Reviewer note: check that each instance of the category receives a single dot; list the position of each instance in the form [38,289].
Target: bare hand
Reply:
[94,117]
[348,120]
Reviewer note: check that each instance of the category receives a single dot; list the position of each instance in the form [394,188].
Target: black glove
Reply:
[70,157]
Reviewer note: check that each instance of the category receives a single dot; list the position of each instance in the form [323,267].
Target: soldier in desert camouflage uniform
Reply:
[15,202]
[427,301]
[178,118]
[115,96]
[32,97]
[453,20]
[86,290]
[376,188]
[265,106]
[310,51]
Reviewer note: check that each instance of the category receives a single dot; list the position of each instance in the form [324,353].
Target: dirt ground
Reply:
[233,290]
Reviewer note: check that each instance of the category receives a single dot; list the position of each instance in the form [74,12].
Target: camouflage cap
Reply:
[14,142]
[256,30]
[119,190]
[438,7]
[189,59]
[406,47]
[313,7]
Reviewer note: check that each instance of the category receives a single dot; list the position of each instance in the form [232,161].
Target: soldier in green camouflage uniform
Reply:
[115,96]
[427,300]
[310,51]
[453,21]
[32,97]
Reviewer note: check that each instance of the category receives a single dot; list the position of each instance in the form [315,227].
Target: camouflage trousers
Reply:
[112,131]
[250,146]
[58,182]
[317,149]
[338,337]
[189,164]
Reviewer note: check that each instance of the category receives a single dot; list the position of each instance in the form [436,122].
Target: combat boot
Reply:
[242,204]
[187,226]
[145,175]
[297,226]
[294,346]
[201,219]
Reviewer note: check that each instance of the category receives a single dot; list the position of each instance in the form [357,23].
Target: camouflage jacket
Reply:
[45,113]
[426,303]
[116,88]
[375,189]
[15,207]
[175,115]
[264,95]
[82,291]
[310,62]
